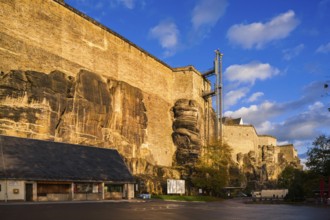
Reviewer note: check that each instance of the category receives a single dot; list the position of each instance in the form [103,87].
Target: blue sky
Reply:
[276,54]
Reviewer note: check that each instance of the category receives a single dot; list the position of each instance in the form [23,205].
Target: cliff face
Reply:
[258,156]
[67,78]
[92,110]
[84,110]
[259,171]
[75,80]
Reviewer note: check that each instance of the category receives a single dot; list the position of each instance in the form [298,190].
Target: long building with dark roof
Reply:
[35,170]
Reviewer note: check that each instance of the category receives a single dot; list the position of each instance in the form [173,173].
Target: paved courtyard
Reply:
[160,210]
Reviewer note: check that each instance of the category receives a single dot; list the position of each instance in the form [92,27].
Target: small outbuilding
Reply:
[35,170]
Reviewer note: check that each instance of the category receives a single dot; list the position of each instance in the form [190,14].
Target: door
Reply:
[28,192]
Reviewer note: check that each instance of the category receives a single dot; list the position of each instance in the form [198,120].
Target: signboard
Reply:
[175,186]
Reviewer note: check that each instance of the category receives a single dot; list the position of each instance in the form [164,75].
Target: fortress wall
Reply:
[46,30]
[267,140]
[288,151]
[242,138]
[43,35]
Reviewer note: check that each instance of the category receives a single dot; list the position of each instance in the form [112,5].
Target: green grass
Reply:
[186,198]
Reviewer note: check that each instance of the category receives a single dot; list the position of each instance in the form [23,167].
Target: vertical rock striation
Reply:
[186,131]
[83,110]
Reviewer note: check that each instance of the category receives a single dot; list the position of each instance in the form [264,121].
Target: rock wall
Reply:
[83,110]
[80,82]
[258,156]
[65,77]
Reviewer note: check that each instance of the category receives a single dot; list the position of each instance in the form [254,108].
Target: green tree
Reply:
[287,177]
[211,173]
[318,160]
[293,180]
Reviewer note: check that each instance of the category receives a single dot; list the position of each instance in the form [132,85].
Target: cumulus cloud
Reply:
[289,54]
[304,126]
[255,96]
[265,128]
[257,35]
[167,34]
[208,12]
[298,122]
[256,114]
[233,96]
[324,48]
[249,73]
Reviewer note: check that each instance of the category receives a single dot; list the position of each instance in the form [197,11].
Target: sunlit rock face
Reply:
[266,167]
[86,109]
[186,131]
[32,103]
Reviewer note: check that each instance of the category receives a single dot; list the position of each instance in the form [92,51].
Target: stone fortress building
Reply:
[258,154]
[67,78]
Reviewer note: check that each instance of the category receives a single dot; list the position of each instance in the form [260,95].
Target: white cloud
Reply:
[208,12]
[233,96]
[304,126]
[167,34]
[324,48]
[288,54]
[249,73]
[298,122]
[259,34]
[265,127]
[255,114]
[255,96]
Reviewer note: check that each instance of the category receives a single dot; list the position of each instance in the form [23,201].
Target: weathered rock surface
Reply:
[32,103]
[186,131]
[84,110]
[91,110]
[265,168]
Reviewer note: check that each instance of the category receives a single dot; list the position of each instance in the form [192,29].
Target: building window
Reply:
[83,188]
[114,188]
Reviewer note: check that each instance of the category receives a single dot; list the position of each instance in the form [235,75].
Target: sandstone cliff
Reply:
[65,77]
[88,110]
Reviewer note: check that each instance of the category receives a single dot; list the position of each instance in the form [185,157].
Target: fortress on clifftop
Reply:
[67,78]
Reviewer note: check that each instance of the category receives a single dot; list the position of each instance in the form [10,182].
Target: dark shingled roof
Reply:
[28,159]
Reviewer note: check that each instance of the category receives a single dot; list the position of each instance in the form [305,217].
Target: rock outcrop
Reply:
[84,110]
[265,168]
[87,109]
[186,132]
